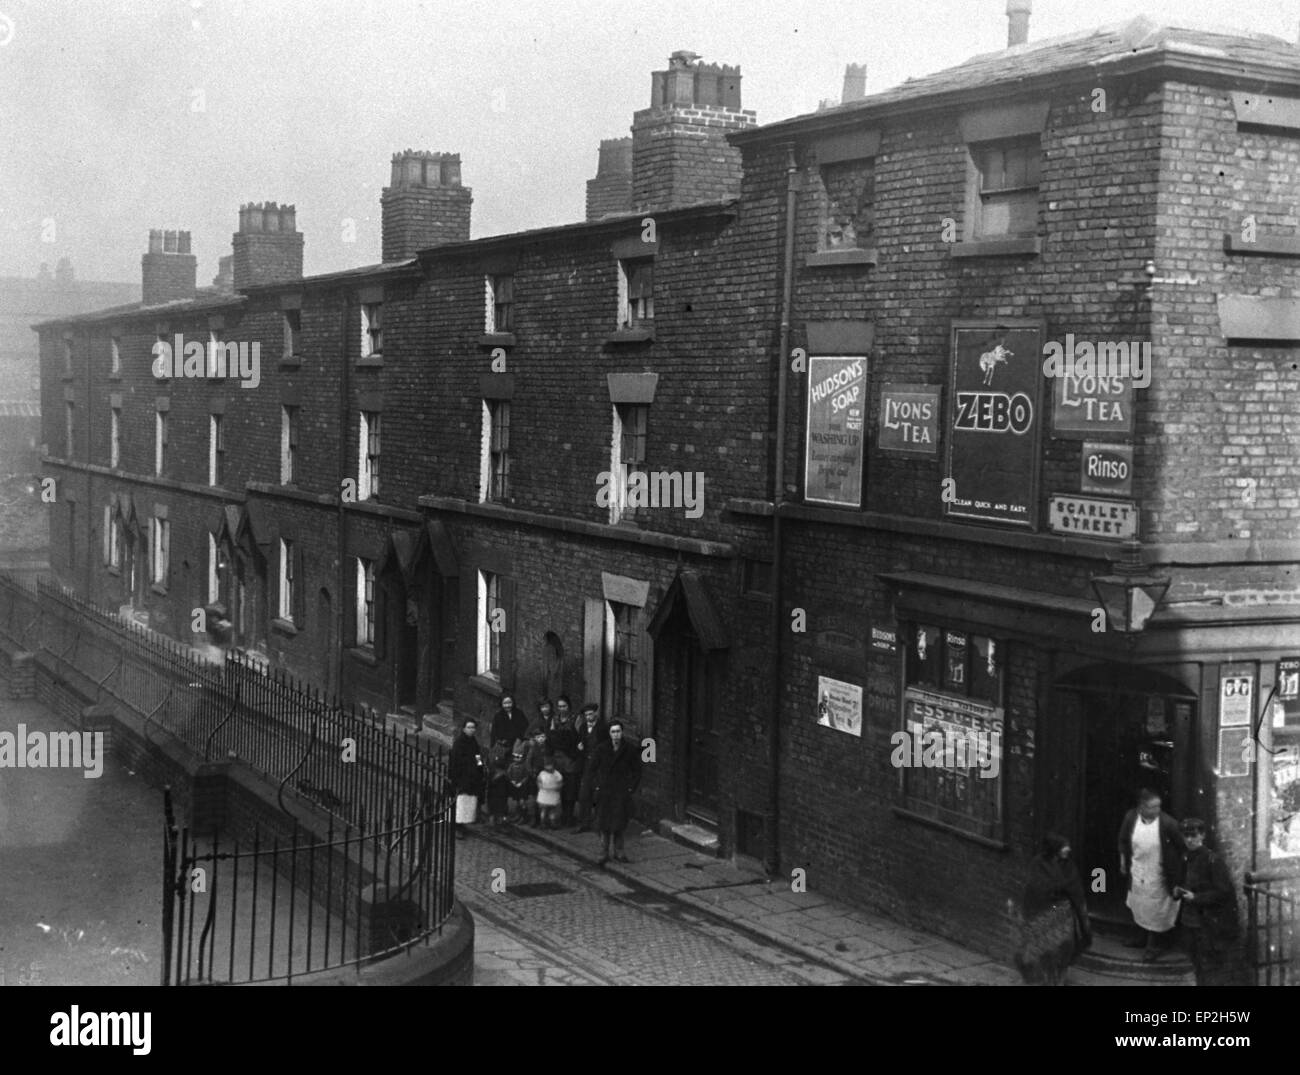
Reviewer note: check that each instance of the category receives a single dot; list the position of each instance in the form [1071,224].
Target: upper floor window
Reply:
[292,332]
[849,219]
[495,465]
[1007,173]
[288,443]
[70,427]
[115,437]
[216,449]
[368,460]
[372,329]
[628,458]
[114,355]
[67,356]
[636,299]
[500,304]
[160,442]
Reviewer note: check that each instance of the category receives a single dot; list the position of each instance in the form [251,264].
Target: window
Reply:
[214,571]
[160,442]
[636,300]
[67,356]
[292,332]
[1007,194]
[372,329]
[160,349]
[115,543]
[288,443]
[161,541]
[849,218]
[495,471]
[368,460]
[488,662]
[115,437]
[500,304]
[108,527]
[628,458]
[621,632]
[953,720]
[216,449]
[70,428]
[365,602]
[287,580]
[216,354]
[115,356]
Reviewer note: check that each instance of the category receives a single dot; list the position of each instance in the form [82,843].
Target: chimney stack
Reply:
[1018,21]
[610,193]
[225,278]
[424,205]
[680,153]
[267,248]
[168,270]
[855,83]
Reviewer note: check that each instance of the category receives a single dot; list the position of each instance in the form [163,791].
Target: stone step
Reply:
[1108,958]
[696,837]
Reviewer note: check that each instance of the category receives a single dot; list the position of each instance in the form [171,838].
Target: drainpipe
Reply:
[778,498]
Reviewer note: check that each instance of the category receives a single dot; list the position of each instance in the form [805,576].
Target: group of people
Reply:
[1172,878]
[548,771]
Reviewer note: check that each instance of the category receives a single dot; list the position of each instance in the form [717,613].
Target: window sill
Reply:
[1025,246]
[115,571]
[364,655]
[284,627]
[115,376]
[849,256]
[216,611]
[158,588]
[1276,245]
[486,684]
[965,834]
[290,362]
[370,362]
[630,335]
[497,339]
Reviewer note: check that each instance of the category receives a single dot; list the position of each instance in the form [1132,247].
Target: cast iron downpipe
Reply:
[341,546]
[778,498]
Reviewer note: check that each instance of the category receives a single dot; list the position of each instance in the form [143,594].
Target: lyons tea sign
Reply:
[993,422]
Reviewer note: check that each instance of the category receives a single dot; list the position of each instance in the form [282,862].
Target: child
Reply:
[536,759]
[549,782]
[519,783]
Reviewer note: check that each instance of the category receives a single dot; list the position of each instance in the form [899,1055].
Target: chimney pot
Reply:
[1018,12]
[155,241]
[182,242]
[169,242]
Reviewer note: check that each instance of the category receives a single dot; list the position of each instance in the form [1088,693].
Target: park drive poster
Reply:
[837,403]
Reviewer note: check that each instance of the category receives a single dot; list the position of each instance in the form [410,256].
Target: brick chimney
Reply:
[168,270]
[855,83]
[610,192]
[267,246]
[225,278]
[1018,21]
[680,154]
[424,205]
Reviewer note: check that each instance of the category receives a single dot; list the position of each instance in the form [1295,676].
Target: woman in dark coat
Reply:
[1056,926]
[509,725]
[615,776]
[467,771]
[1209,911]
[563,745]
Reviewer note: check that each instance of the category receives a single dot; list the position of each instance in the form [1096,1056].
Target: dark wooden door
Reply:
[702,735]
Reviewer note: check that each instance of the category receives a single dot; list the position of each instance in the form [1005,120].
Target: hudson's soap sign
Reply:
[837,402]
[993,422]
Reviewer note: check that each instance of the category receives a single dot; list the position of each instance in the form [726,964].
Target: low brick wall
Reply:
[18,670]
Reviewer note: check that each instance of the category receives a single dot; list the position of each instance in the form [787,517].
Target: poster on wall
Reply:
[1286,700]
[1284,806]
[1236,748]
[994,422]
[839,705]
[837,404]
[1236,696]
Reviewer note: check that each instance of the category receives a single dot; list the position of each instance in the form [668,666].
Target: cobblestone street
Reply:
[588,927]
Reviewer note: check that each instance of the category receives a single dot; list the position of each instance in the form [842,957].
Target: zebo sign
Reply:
[1106,468]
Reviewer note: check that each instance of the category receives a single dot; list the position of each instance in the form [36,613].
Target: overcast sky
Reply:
[121,115]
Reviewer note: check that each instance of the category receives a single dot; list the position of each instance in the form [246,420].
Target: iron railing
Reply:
[280,909]
[1273,907]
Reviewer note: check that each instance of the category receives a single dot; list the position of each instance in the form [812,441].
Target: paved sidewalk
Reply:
[867,947]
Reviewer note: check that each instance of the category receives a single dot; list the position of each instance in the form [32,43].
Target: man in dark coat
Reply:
[467,772]
[563,745]
[615,776]
[1209,911]
[592,731]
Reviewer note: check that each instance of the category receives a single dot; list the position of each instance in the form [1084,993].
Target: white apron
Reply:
[466,809]
[1152,906]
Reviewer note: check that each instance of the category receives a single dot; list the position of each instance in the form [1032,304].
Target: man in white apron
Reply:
[1150,856]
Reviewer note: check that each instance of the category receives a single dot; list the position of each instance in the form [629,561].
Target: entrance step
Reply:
[696,837]
[440,723]
[1109,961]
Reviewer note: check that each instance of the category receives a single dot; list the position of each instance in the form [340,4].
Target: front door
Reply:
[408,651]
[701,729]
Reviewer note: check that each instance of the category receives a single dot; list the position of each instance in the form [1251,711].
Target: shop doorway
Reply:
[1127,729]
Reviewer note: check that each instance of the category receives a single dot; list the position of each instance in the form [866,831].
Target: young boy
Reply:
[549,782]
[519,783]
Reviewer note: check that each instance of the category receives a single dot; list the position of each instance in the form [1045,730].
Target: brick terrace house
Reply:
[414,505]
[939,521]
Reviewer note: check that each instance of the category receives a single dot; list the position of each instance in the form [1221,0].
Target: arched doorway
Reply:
[1114,730]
